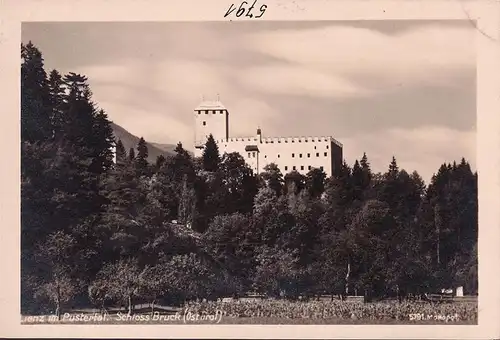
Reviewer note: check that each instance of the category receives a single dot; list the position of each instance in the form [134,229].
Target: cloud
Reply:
[247,114]
[156,99]
[424,55]
[298,80]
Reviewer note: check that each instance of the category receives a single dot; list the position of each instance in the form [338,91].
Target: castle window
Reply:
[301,167]
[206,112]
[293,141]
[306,140]
[308,155]
[300,155]
[214,112]
[265,156]
[317,154]
[294,167]
[253,154]
[279,141]
[199,112]
[278,156]
[293,155]
[300,140]
[286,168]
[249,155]
[204,123]
[325,154]
[286,141]
[309,167]
[315,147]
[221,111]
[327,146]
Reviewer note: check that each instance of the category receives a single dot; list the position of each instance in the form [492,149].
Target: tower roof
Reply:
[211,105]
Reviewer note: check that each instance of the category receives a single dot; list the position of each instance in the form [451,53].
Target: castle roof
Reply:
[210,105]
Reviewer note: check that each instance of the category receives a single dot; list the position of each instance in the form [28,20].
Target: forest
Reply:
[98,233]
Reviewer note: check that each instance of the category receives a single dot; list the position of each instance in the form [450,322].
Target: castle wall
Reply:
[288,153]
[337,157]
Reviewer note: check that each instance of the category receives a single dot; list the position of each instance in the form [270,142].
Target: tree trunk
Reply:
[437,222]
[347,277]
[58,311]
[58,304]
[130,305]
[103,308]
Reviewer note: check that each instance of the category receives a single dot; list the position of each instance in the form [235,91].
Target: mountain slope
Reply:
[130,141]
[169,148]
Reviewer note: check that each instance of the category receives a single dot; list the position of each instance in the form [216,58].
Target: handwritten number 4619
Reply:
[241,10]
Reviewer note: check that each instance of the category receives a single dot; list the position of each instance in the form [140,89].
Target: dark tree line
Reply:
[100,233]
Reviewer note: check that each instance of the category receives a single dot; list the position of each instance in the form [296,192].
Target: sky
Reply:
[388,88]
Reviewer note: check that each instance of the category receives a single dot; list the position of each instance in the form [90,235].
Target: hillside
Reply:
[169,148]
[129,141]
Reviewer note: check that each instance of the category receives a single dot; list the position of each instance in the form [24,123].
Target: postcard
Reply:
[251,169]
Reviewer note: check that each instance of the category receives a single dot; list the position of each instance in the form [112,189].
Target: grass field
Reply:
[264,321]
[278,313]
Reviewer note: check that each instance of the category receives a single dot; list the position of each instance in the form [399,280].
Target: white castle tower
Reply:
[211,117]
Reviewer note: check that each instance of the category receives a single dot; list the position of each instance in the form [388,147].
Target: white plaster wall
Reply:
[215,124]
[288,153]
[302,153]
[238,144]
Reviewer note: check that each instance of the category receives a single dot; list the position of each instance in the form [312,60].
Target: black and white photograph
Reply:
[240,173]
[249,172]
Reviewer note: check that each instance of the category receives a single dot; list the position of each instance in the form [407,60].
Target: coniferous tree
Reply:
[102,142]
[358,181]
[57,99]
[393,168]
[160,161]
[121,153]
[62,166]
[36,112]
[131,154]
[367,176]
[211,157]
[181,165]
[141,160]
[332,246]
[186,203]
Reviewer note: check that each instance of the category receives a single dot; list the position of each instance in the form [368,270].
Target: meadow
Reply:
[283,312]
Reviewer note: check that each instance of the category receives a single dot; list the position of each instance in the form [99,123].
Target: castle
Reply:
[288,153]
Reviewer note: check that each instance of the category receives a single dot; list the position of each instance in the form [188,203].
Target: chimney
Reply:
[259,135]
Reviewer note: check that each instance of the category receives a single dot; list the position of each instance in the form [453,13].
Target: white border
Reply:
[13,12]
